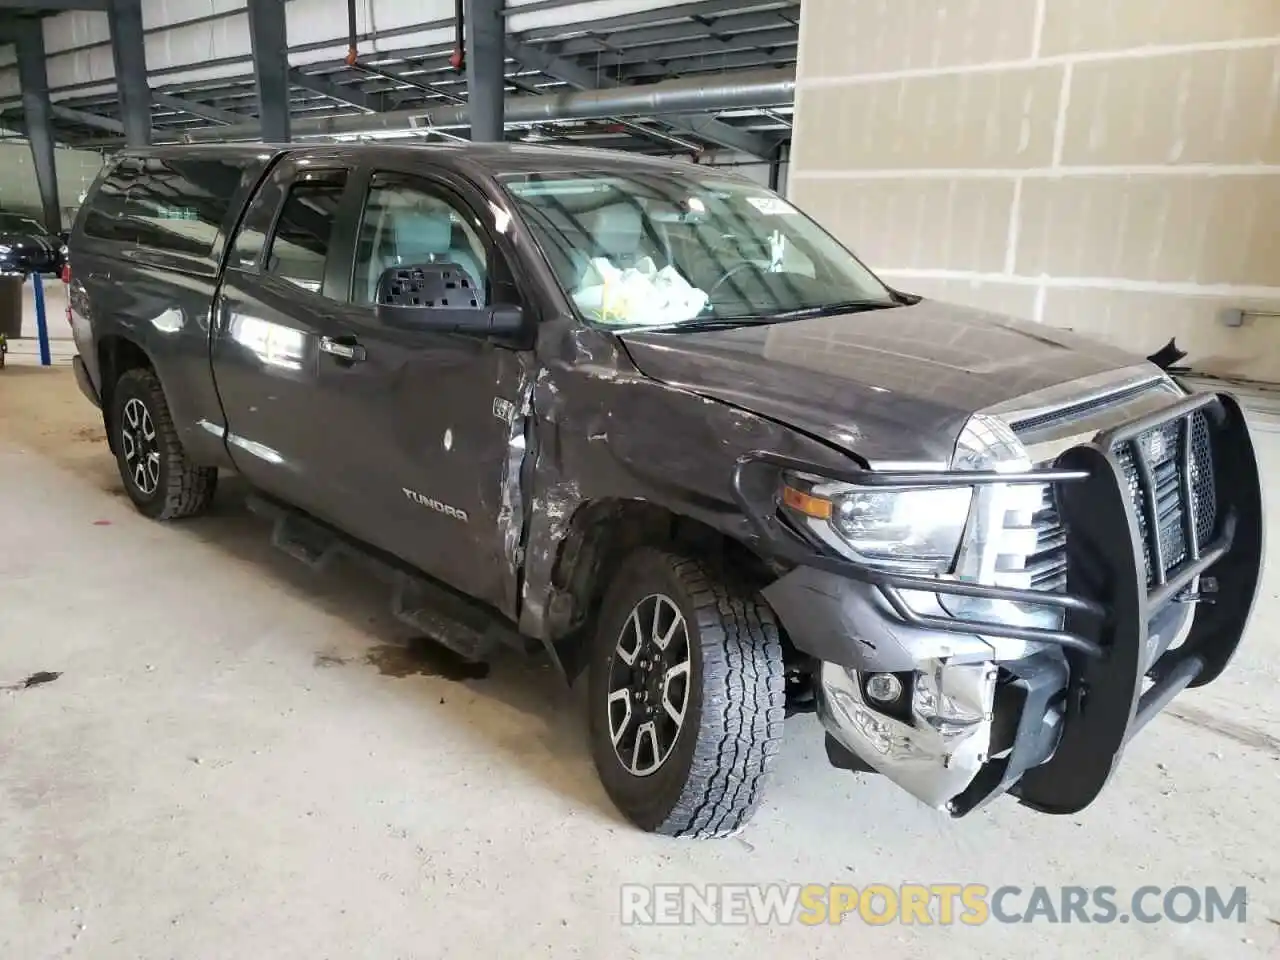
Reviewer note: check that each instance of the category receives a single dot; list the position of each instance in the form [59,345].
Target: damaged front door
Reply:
[427,417]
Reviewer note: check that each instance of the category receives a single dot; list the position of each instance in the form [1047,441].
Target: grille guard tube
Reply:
[1111,700]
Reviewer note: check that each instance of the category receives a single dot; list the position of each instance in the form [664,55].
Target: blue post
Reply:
[42,324]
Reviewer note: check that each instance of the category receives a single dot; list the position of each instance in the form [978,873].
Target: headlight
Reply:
[1002,537]
[917,529]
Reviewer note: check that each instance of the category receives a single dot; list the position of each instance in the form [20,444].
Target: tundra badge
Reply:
[436,505]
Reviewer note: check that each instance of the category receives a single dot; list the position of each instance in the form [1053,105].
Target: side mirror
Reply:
[442,297]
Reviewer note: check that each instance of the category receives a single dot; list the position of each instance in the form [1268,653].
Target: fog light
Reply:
[884,687]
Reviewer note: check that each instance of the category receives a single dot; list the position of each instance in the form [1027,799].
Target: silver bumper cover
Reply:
[938,753]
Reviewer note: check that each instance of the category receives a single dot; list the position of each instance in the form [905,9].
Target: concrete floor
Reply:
[224,770]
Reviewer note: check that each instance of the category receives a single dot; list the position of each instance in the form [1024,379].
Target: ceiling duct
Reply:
[701,94]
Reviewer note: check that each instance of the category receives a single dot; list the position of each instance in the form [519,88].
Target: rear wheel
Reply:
[162,483]
[687,696]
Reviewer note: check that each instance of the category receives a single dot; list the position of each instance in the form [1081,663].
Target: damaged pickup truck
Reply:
[652,421]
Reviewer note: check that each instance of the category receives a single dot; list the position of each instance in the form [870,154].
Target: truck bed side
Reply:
[148,246]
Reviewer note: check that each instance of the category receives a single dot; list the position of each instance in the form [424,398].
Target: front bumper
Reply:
[24,266]
[1044,714]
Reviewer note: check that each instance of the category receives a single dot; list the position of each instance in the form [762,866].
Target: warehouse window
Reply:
[178,206]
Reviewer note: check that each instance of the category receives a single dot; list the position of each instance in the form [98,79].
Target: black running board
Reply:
[468,628]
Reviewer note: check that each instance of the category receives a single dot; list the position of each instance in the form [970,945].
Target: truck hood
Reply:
[889,385]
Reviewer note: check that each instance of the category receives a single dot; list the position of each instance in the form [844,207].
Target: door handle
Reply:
[346,349]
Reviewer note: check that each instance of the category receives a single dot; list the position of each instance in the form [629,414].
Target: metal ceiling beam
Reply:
[439,52]
[705,126]
[129,53]
[35,6]
[15,124]
[486,68]
[743,25]
[234,99]
[94,120]
[724,91]
[201,110]
[270,47]
[399,80]
[342,92]
[37,115]
[536,6]
[686,11]
[743,60]
[697,47]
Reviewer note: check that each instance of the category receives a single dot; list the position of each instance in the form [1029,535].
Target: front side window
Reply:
[407,223]
[304,230]
[665,247]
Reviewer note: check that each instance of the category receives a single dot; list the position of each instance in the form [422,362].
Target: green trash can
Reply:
[11,306]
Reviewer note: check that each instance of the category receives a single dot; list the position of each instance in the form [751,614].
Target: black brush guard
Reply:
[1108,604]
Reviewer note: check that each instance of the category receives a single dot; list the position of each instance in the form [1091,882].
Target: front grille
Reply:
[1166,455]
[1048,565]
[1169,472]
[1204,493]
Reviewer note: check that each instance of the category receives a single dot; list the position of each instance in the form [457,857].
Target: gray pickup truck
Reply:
[650,420]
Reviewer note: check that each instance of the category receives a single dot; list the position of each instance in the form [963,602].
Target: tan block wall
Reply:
[1110,166]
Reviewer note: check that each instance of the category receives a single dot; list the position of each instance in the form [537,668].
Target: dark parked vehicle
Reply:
[654,421]
[27,246]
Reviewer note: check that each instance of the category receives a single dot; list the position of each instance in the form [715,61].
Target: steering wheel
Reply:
[729,274]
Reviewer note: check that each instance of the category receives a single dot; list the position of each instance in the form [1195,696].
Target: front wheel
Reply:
[686,696]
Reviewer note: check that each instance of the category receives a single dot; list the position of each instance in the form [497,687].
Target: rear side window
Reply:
[300,245]
[177,206]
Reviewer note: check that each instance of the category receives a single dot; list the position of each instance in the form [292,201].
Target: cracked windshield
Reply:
[661,248]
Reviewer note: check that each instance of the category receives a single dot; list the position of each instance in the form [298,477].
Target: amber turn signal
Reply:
[807,504]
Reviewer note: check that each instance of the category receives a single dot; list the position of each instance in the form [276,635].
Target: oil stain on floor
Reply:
[423,657]
[35,680]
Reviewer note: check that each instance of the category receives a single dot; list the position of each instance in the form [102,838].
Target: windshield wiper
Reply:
[831,309]
[761,319]
[722,323]
[805,313]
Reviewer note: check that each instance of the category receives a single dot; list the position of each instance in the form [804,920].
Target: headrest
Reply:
[422,232]
[617,229]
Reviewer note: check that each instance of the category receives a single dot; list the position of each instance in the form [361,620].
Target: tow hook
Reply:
[1205,594]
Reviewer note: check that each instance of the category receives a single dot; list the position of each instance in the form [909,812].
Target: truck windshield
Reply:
[664,248]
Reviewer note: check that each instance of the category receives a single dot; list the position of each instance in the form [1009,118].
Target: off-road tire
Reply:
[711,783]
[184,489]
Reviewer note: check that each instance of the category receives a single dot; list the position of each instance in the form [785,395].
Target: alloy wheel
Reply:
[141,446]
[649,684]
